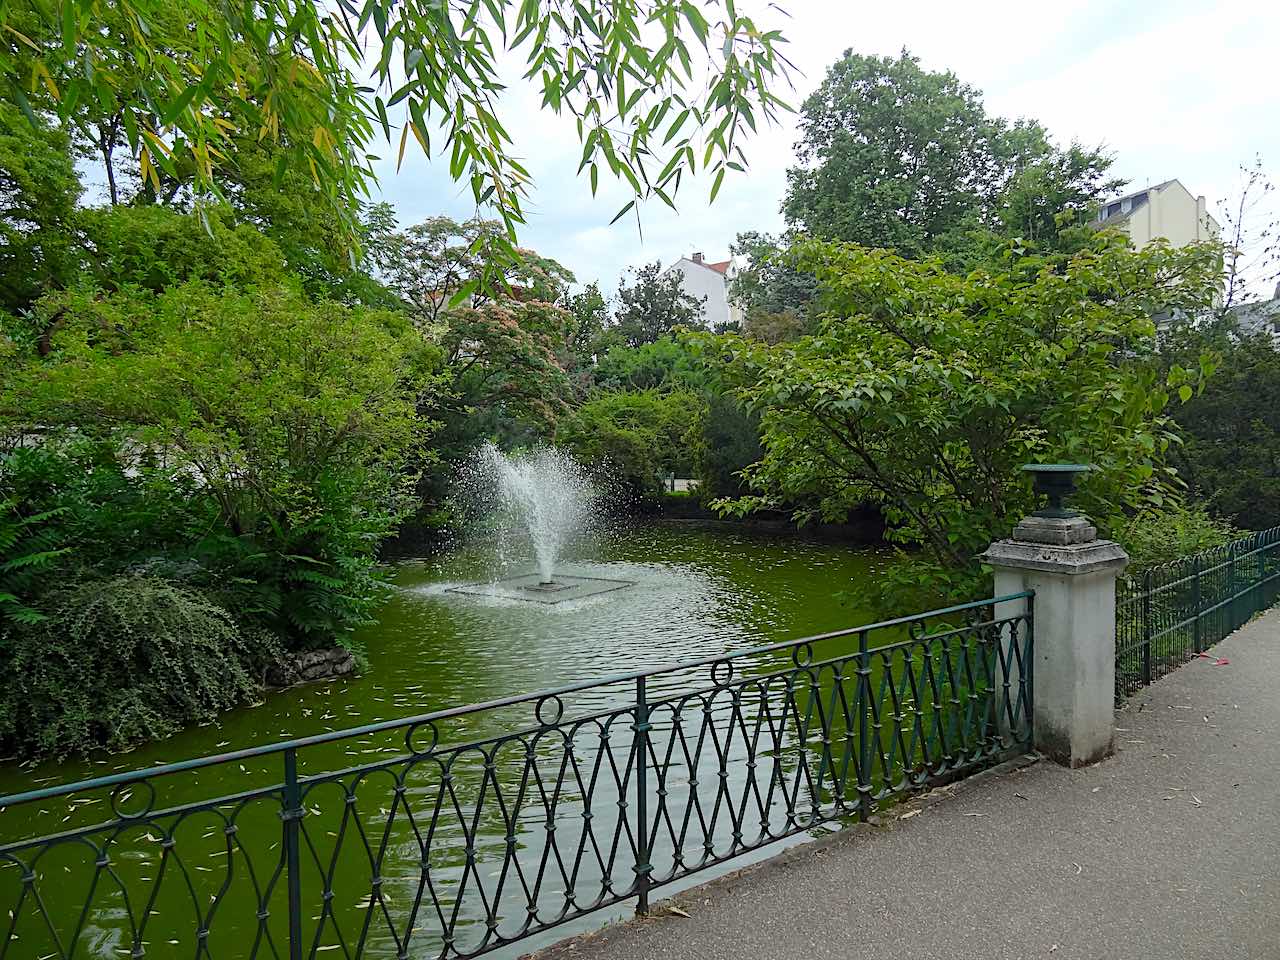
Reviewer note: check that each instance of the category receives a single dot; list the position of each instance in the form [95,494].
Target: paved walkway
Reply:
[1171,848]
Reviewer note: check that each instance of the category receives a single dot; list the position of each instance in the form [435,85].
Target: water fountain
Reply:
[548,497]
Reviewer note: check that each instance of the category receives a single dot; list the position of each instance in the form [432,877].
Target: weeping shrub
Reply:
[120,660]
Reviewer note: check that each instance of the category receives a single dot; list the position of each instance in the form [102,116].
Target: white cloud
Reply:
[1182,89]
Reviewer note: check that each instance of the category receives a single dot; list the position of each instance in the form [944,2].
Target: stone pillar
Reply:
[1073,574]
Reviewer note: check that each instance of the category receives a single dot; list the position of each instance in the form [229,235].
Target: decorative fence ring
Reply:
[410,736]
[917,630]
[802,655]
[722,673]
[119,800]
[550,698]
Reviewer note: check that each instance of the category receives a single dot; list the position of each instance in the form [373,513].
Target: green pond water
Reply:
[697,592]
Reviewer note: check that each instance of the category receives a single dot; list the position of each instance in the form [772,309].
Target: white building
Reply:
[708,283]
[1166,211]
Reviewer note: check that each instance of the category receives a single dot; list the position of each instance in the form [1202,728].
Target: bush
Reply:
[121,660]
[640,437]
[1232,429]
[1176,530]
[289,426]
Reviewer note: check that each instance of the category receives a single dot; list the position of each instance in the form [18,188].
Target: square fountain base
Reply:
[529,587]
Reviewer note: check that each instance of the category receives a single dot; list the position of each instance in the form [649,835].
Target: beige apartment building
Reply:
[1166,211]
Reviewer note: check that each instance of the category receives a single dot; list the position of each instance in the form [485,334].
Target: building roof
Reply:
[1131,195]
[1260,316]
[720,266]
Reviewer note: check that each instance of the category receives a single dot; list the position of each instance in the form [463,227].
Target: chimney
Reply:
[697,257]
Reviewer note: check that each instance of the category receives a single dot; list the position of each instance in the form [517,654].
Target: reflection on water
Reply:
[431,836]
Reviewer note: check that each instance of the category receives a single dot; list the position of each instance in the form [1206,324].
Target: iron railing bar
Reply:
[149,817]
[573,727]
[265,749]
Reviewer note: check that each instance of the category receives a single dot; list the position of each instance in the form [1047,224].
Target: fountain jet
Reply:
[548,493]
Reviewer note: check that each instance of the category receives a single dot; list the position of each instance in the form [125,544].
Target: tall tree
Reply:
[653,304]
[38,194]
[1230,455]
[290,71]
[922,392]
[896,156]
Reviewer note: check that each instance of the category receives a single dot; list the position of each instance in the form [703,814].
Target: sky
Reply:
[1180,89]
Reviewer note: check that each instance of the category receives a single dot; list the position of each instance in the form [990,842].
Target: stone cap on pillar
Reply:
[1072,559]
[1056,545]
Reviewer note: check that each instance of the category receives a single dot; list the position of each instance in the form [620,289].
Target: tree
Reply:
[895,156]
[652,305]
[665,364]
[439,263]
[728,443]
[1253,242]
[39,190]
[285,71]
[766,285]
[923,392]
[1230,457]
[297,418]
[589,313]
[637,437]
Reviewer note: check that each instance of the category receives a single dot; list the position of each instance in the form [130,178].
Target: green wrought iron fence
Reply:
[465,830]
[1169,614]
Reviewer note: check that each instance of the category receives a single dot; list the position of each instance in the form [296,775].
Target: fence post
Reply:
[1146,628]
[1196,603]
[644,854]
[1232,601]
[291,815]
[1073,575]
[865,786]
[1259,594]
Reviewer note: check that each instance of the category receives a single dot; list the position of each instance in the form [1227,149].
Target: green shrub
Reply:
[286,427]
[121,660]
[640,437]
[1175,530]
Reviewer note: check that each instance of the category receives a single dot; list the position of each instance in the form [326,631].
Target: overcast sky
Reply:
[1176,89]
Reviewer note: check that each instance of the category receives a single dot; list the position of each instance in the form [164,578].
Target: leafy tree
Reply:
[892,155]
[664,364]
[728,443]
[589,313]
[39,190]
[652,305]
[923,392]
[297,418]
[638,437]
[1230,457]
[1177,529]
[156,248]
[438,264]
[502,357]
[285,72]
[766,284]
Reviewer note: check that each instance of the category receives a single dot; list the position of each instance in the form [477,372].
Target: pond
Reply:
[696,592]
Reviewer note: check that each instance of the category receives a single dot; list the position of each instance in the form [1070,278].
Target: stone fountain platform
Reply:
[530,588]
